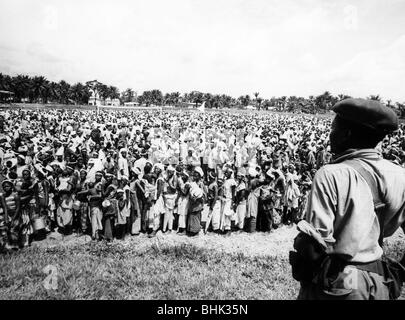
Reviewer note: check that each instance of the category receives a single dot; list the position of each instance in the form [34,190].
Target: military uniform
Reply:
[341,210]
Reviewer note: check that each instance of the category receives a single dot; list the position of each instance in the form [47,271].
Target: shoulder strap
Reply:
[376,193]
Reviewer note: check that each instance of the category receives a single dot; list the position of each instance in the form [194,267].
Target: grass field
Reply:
[168,267]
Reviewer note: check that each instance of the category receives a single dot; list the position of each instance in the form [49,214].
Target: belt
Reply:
[375,267]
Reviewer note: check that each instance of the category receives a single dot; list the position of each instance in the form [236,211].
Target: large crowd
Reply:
[114,174]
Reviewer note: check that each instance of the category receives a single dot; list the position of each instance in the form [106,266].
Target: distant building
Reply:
[112,102]
[6,96]
[131,104]
[95,99]
[251,107]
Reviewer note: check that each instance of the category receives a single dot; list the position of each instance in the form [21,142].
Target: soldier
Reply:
[354,203]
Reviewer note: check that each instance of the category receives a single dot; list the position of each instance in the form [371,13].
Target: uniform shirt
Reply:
[340,205]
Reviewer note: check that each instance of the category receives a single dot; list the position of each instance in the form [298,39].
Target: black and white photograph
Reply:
[189,150]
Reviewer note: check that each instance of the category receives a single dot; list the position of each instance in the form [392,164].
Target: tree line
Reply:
[38,89]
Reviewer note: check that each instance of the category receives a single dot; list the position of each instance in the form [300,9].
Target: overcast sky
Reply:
[220,46]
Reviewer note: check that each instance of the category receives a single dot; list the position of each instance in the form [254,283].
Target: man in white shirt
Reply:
[123,167]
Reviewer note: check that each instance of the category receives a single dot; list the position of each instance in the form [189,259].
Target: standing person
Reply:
[51,178]
[254,186]
[139,188]
[127,197]
[158,207]
[109,164]
[110,211]
[228,198]
[135,217]
[196,203]
[122,214]
[4,225]
[169,196]
[293,195]
[278,195]
[205,155]
[96,215]
[123,168]
[183,202]
[64,213]
[28,192]
[43,192]
[265,206]
[213,202]
[240,200]
[11,227]
[355,202]
[81,195]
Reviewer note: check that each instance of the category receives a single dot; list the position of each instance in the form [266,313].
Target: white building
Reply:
[131,104]
[112,102]
[95,99]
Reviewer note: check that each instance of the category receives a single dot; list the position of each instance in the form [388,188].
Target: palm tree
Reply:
[167,99]
[79,93]
[114,93]
[53,91]
[282,103]
[21,85]
[103,90]
[157,97]
[175,98]
[63,90]
[39,89]
[6,82]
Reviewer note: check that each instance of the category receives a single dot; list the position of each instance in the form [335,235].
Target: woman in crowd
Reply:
[183,201]
[196,202]
[240,204]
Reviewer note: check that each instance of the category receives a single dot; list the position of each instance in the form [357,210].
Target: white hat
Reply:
[199,171]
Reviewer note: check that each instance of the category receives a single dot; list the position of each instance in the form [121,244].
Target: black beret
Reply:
[368,113]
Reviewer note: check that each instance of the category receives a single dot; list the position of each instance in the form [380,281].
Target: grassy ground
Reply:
[166,267]
[184,271]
